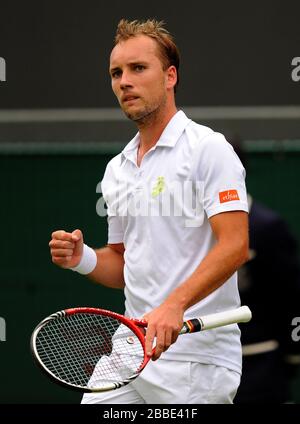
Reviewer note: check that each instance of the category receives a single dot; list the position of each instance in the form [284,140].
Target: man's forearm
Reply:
[109,268]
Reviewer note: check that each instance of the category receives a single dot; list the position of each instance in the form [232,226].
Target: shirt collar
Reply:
[173,130]
[168,138]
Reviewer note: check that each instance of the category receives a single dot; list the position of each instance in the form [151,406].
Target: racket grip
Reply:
[206,322]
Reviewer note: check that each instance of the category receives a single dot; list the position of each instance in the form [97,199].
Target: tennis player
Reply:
[178,229]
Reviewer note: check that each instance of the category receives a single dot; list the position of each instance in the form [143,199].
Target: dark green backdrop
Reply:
[50,189]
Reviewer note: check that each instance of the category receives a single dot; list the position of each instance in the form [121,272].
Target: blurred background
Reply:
[60,124]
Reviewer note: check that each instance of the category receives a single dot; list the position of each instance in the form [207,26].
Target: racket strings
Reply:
[89,350]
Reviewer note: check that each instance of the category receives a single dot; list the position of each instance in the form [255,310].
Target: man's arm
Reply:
[66,251]
[228,254]
[110,266]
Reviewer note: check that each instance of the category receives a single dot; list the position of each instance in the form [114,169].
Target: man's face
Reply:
[137,76]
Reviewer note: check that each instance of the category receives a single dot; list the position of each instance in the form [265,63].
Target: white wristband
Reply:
[88,261]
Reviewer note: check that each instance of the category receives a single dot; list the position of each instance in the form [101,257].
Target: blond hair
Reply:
[168,51]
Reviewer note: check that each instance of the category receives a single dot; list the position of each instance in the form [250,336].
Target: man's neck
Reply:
[151,130]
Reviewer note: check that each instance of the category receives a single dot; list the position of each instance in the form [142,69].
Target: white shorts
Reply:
[174,382]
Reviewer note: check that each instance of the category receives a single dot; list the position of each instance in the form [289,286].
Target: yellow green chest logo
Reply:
[158,187]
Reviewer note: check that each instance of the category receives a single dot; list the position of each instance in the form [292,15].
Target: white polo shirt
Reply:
[161,211]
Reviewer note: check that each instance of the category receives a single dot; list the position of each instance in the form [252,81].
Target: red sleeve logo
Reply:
[228,196]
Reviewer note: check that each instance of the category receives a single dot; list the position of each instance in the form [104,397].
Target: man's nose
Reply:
[125,80]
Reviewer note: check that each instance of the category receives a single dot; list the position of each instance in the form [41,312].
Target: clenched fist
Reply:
[66,248]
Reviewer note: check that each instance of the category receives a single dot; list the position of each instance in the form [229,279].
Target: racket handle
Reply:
[206,322]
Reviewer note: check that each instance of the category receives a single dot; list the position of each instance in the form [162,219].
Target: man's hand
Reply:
[66,248]
[164,323]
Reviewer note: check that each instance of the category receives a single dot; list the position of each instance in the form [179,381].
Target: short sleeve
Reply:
[109,190]
[223,176]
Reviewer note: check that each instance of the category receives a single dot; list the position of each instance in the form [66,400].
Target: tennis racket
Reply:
[95,350]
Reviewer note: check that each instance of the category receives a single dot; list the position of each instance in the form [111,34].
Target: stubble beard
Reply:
[147,115]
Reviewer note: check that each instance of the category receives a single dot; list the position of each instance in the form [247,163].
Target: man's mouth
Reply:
[129,99]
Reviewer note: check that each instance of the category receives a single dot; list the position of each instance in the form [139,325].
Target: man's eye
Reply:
[139,68]
[116,74]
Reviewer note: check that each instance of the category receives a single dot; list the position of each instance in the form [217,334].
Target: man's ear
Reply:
[171,76]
